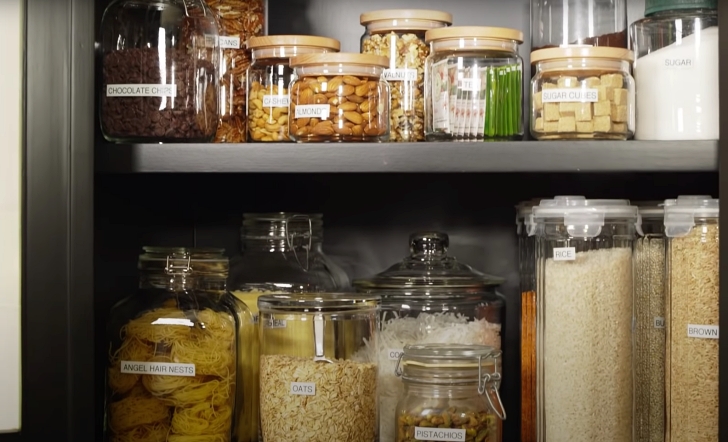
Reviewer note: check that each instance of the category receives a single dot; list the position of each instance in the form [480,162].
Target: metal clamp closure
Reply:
[298,240]
[171,269]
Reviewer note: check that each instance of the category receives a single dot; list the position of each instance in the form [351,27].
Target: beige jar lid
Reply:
[405,15]
[484,32]
[347,58]
[580,51]
[272,41]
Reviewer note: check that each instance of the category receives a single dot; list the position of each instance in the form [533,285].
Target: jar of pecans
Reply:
[269,77]
[400,35]
[339,97]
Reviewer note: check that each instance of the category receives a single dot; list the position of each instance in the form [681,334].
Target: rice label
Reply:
[313,111]
[394,353]
[229,42]
[276,323]
[703,331]
[141,90]
[157,368]
[439,434]
[276,101]
[570,95]
[304,389]
[659,322]
[564,253]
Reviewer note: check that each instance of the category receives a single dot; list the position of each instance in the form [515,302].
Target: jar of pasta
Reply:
[474,88]
[582,92]
[269,77]
[173,369]
[239,21]
[400,35]
[339,97]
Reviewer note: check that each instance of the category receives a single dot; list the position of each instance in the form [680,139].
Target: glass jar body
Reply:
[349,104]
[160,85]
[677,48]
[582,98]
[584,327]
[578,22]
[473,92]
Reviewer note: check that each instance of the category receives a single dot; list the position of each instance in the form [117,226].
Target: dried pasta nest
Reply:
[218,325]
[144,433]
[146,328]
[198,438]
[202,419]
[119,382]
[136,411]
[211,356]
[188,391]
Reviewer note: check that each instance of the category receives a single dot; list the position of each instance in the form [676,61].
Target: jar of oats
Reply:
[339,97]
[268,80]
[400,35]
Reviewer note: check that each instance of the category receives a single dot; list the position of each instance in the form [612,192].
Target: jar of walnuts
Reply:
[268,80]
[400,35]
[339,97]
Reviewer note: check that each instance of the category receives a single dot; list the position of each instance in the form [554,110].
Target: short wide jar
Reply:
[582,92]
[339,97]
[269,77]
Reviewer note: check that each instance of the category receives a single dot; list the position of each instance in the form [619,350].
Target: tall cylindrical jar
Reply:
[339,97]
[578,22]
[584,319]
[692,319]
[474,88]
[676,70]
[174,371]
[324,388]
[582,93]
[239,20]
[159,71]
[400,35]
[450,394]
[268,80]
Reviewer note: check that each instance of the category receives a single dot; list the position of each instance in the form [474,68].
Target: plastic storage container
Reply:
[430,297]
[450,394]
[339,97]
[584,319]
[325,388]
[174,370]
[400,35]
[159,71]
[474,87]
[582,93]
[269,77]
[239,20]
[578,22]
[676,70]
[692,319]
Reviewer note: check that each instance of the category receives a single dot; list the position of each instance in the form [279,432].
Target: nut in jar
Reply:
[339,97]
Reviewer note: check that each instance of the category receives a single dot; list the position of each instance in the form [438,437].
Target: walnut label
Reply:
[703,331]
[229,42]
[570,95]
[400,74]
[157,368]
[313,111]
[276,101]
[440,434]
[141,90]
[304,389]
[564,253]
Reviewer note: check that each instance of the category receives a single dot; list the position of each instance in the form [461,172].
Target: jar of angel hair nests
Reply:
[173,372]
[400,35]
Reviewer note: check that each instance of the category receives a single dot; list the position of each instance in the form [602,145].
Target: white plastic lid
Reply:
[584,217]
[681,213]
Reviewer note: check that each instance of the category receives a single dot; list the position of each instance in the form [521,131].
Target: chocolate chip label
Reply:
[141,90]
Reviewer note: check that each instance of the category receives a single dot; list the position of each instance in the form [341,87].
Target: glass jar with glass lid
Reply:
[174,370]
[450,393]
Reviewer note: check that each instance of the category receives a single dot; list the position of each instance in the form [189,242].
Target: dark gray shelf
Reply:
[521,156]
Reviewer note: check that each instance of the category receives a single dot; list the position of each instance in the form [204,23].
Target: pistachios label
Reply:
[439,434]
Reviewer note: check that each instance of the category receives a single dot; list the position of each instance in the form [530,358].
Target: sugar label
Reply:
[570,95]
[440,434]
[157,368]
[400,74]
[469,84]
[141,90]
[703,331]
[564,253]
[394,353]
[659,322]
[276,100]
[229,42]
[679,63]
[304,389]
[276,323]
[313,111]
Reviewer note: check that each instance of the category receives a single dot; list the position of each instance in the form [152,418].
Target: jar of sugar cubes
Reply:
[582,92]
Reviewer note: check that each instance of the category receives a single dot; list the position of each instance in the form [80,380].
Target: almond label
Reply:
[313,111]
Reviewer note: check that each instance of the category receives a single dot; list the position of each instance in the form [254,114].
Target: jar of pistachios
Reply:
[400,35]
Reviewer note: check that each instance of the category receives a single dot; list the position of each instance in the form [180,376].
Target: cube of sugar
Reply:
[568,82]
[619,128]
[602,108]
[619,113]
[550,126]
[584,127]
[538,101]
[567,124]
[538,125]
[612,80]
[620,96]
[583,111]
[551,111]
[548,86]
[602,124]
[592,82]
[567,109]
[605,93]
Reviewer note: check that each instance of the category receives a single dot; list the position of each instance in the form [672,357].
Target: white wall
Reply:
[11,89]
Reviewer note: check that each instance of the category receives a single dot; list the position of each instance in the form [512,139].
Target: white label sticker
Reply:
[313,111]
[703,331]
[679,63]
[255,318]
[570,95]
[276,323]
[439,434]
[469,84]
[394,353]
[157,368]
[564,253]
[210,40]
[400,74]
[141,90]
[659,322]
[229,42]
[276,100]
[304,389]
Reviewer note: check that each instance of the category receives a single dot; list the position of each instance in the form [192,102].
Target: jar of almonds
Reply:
[339,97]
[400,35]
[268,80]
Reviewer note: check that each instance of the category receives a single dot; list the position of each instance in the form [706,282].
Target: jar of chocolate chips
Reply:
[160,71]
